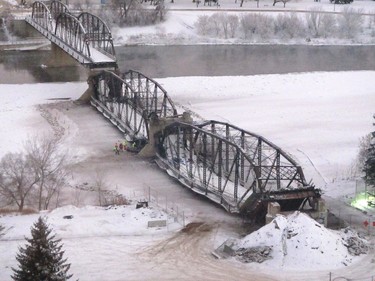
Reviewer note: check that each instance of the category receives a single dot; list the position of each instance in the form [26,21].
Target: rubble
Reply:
[295,241]
[356,245]
[254,254]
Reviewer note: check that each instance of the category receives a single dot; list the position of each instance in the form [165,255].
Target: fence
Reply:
[154,198]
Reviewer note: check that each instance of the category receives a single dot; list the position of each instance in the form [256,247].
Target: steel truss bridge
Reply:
[84,36]
[237,169]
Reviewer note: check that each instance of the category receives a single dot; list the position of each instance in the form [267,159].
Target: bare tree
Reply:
[216,22]
[350,22]
[314,21]
[223,18]
[123,7]
[48,165]
[203,25]
[2,230]
[17,179]
[100,185]
[233,25]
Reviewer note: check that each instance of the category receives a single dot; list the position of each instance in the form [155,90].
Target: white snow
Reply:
[316,117]
[322,115]
[297,241]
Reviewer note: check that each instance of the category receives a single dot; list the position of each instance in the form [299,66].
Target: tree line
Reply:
[262,27]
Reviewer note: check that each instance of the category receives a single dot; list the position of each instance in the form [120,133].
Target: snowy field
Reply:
[182,15]
[318,118]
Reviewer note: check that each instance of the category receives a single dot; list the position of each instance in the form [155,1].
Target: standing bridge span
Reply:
[237,169]
[85,36]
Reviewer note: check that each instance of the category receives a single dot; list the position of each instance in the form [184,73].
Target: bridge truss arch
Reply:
[130,110]
[154,97]
[207,163]
[57,8]
[70,30]
[239,170]
[275,169]
[41,15]
[97,33]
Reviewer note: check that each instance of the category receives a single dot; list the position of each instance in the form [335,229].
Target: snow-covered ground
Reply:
[316,117]
[182,16]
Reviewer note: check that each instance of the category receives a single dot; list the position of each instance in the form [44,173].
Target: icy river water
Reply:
[199,60]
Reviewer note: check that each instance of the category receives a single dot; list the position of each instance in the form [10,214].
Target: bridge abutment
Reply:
[86,96]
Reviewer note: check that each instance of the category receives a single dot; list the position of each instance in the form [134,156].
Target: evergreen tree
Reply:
[369,167]
[42,258]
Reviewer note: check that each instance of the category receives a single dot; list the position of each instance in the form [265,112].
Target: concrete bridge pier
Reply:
[158,124]
[86,96]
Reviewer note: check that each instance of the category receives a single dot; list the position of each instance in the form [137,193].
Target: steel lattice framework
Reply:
[56,8]
[97,33]
[71,31]
[152,95]
[274,168]
[41,15]
[85,37]
[232,167]
[207,163]
[128,108]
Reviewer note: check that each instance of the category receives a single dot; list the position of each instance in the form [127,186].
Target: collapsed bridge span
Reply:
[239,170]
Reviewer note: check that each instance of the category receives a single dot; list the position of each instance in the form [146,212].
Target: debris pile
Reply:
[296,241]
[255,254]
[356,245]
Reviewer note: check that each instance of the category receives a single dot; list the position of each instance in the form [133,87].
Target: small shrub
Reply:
[203,25]
[256,25]
[289,26]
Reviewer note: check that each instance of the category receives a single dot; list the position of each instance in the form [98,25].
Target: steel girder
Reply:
[98,34]
[152,96]
[274,168]
[208,164]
